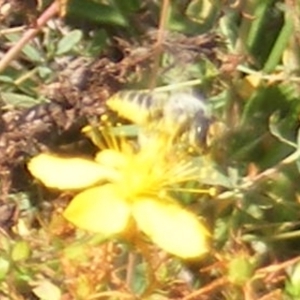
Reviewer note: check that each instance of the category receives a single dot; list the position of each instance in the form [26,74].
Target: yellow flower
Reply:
[123,186]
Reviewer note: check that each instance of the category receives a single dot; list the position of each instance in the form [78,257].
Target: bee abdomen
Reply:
[137,107]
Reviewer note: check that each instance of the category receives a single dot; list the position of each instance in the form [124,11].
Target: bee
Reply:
[181,115]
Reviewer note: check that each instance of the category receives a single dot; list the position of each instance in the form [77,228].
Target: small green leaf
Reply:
[4,267]
[20,251]
[96,12]
[6,79]
[259,10]
[240,270]
[74,252]
[44,72]
[18,100]
[273,125]
[139,283]
[209,173]
[68,42]
[98,42]
[202,11]
[293,284]
[30,51]
[280,45]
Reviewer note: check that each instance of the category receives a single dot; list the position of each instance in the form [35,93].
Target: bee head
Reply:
[191,115]
[199,130]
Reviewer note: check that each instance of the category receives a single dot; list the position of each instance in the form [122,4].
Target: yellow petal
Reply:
[100,209]
[112,158]
[171,227]
[68,173]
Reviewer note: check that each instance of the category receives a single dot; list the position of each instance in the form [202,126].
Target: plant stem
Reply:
[49,13]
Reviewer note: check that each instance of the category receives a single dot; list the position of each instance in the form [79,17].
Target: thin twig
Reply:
[12,30]
[130,268]
[261,176]
[49,13]
[217,284]
[159,42]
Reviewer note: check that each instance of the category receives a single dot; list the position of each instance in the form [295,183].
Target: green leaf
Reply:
[68,42]
[18,100]
[261,7]
[293,284]
[209,173]
[75,252]
[240,270]
[4,267]
[274,129]
[126,6]
[44,72]
[280,46]
[203,11]
[298,143]
[6,79]
[96,12]
[20,251]
[139,283]
[98,42]
[30,51]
